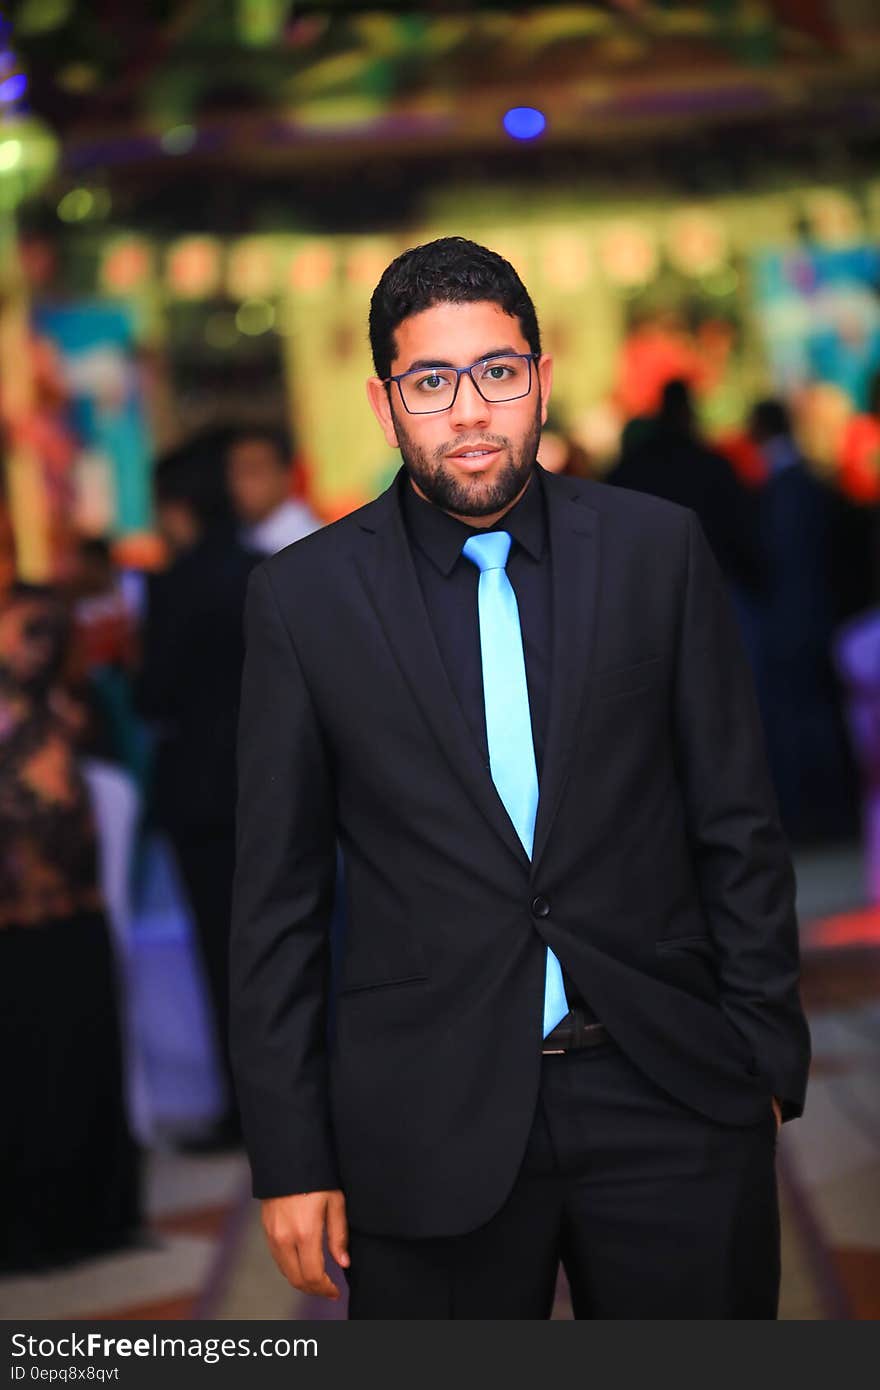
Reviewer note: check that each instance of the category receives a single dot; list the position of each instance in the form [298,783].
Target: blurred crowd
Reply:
[118,705]
[118,690]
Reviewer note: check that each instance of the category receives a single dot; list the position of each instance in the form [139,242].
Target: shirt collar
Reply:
[441,536]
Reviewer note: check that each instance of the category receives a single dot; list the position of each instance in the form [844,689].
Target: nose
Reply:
[470,411]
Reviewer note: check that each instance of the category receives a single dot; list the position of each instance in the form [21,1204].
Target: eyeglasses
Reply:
[426,390]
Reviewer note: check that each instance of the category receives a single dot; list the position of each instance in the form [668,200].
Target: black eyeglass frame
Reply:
[529,357]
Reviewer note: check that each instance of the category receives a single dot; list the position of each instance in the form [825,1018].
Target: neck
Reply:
[275,507]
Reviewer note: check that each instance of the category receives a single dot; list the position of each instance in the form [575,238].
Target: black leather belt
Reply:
[576,1030]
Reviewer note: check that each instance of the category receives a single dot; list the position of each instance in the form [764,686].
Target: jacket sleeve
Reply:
[741,858]
[282,904]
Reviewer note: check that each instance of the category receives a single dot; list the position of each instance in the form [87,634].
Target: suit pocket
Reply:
[628,680]
[362,987]
[696,942]
[689,962]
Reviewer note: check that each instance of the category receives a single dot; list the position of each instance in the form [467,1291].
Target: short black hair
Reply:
[769,418]
[97,548]
[52,619]
[677,399]
[275,436]
[450,270]
[194,474]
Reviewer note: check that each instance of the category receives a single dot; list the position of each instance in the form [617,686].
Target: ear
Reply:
[380,405]
[544,365]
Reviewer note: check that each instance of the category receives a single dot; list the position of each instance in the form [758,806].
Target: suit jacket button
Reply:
[540,907]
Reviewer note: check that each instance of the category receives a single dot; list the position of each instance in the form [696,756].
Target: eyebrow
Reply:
[421,362]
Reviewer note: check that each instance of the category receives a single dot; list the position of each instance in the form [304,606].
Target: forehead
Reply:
[457,333]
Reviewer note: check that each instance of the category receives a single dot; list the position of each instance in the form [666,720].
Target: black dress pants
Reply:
[206,861]
[654,1211]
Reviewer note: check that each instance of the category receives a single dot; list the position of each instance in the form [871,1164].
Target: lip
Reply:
[474,464]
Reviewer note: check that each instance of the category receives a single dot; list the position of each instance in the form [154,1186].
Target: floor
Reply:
[203,1253]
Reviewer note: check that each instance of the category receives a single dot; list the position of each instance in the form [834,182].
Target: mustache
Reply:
[458,446]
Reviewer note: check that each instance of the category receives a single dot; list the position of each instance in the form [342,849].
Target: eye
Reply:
[497,371]
[430,383]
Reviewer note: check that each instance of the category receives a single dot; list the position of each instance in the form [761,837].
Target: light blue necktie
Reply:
[508,722]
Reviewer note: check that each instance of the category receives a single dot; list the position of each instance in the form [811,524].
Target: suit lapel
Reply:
[574,550]
[386,566]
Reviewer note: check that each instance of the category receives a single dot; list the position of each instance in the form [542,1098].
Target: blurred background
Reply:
[197,198]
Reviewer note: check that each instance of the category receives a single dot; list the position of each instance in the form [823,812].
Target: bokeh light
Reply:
[255,316]
[524,122]
[14,88]
[76,205]
[179,139]
[10,155]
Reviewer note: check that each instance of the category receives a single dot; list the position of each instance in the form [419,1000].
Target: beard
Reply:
[476,495]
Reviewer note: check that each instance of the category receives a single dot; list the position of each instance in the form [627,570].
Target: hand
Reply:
[778,1113]
[295,1227]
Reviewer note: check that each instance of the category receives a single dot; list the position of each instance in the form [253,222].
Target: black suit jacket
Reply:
[659,875]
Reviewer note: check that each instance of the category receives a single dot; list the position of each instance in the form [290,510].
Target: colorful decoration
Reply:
[834,218]
[823,412]
[859,459]
[655,351]
[103,378]
[620,318]
[820,317]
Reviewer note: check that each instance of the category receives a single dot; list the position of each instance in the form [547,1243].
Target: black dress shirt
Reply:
[449,584]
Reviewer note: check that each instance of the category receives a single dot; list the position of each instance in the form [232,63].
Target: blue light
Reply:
[13,88]
[524,122]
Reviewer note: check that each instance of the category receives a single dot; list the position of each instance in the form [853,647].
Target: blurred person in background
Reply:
[666,458]
[794,623]
[107,643]
[856,568]
[7,535]
[189,689]
[102,613]
[567,1023]
[260,476]
[69,1169]
[559,453]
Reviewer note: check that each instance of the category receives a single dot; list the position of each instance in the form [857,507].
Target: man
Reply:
[794,625]
[671,461]
[567,1005]
[259,482]
[189,687]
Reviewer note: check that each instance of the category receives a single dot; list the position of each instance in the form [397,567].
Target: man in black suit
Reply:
[673,462]
[189,689]
[447,1134]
